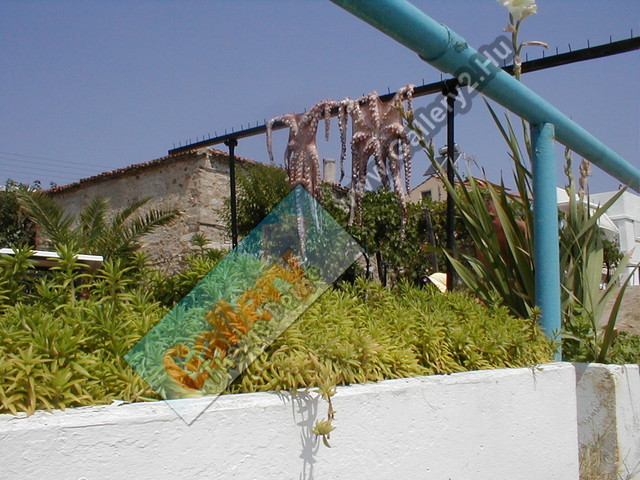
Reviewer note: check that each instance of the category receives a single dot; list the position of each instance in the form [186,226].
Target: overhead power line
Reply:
[12,162]
[43,158]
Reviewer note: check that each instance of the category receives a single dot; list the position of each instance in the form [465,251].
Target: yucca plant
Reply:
[581,260]
[500,224]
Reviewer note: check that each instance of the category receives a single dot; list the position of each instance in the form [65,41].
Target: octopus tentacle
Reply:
[406,159]
[342,125]
[327,118]
[270,140]
[398,188]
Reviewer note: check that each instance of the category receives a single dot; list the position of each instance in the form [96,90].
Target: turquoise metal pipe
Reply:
[449,52]
[546,257]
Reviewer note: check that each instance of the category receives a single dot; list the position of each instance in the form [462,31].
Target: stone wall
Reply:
[609,419]
[195,183]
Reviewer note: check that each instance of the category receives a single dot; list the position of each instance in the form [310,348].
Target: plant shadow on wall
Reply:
[304,410]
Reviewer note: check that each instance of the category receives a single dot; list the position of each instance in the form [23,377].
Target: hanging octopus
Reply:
[378,131]
[301,158]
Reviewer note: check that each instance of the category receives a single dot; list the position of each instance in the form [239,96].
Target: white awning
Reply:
[604,222]
[47,259]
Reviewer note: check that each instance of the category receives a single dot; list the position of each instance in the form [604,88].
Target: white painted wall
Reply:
[500,424]
[609,415]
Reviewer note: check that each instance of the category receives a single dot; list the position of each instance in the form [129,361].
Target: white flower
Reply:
[536,43]
[519,9]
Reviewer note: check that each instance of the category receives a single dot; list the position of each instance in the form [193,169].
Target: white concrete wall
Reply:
[501,424]
[609,416]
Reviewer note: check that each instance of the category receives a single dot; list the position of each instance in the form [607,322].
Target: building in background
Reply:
[620,223]
[433,188]
[625,214]
[195,183]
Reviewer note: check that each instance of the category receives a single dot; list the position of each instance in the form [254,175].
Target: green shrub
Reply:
[64,334]
[366,332]
[15,227]
[170,289]
[260,188]
[626,349]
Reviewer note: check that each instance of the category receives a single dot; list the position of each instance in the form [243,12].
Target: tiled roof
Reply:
[139,167]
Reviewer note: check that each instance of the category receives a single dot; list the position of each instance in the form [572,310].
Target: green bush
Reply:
[394,255]
[260,188]
[366,332]
[170,289]
[15,226]
[626,349]
[64,334]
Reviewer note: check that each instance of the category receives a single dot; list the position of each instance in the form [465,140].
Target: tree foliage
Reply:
[15,227]
[389,253]
[260,188]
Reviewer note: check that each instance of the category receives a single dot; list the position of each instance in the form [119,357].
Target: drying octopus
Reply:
[301,158]
[377,130]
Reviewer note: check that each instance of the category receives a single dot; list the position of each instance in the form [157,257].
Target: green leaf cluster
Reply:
[63,333]
[259,189]
[397,254]
[367,332]
[95,230]
[15,227]
[169,289]
[390,253]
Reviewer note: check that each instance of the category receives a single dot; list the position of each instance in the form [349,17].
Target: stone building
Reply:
[195,183]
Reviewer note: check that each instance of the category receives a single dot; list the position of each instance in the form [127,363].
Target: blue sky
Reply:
[90,86]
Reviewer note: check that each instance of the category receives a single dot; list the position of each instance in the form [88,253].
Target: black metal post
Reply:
[232,143]
[451,91]
[431,238]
